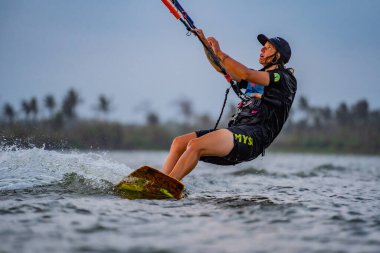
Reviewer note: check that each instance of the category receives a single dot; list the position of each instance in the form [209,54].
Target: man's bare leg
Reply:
[218,143]
[177,148]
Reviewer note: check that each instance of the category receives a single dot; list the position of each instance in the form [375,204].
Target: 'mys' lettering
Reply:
[238,137]
[244,139]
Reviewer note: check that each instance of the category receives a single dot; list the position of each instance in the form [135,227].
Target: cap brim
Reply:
[262,39]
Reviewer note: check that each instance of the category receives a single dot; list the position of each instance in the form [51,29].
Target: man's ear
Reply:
[278,55]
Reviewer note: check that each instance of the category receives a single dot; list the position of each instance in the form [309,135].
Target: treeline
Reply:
[346,129]
[57,125]
[30,110]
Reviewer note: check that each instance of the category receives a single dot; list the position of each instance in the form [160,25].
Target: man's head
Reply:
[275,50]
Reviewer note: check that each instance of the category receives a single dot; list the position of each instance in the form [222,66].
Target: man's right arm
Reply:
[215,66]
[202,37]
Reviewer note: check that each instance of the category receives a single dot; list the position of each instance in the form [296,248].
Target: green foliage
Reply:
[70,103]
[9,113]
[50,103]
[355,130]
[346,129]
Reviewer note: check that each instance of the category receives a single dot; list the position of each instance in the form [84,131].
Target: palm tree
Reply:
[360,110]
[70,103]
[342,114]
[309,112]
[33,107]
[9,113]
[26,109]
[50,104]
[104,104]
[152,119]
[304,104]
[326,115]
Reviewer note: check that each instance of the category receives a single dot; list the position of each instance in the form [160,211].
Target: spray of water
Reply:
[22,168]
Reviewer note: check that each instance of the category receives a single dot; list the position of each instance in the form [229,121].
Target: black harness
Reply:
[249,109]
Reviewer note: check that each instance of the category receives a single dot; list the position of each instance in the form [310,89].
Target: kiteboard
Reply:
[149,183]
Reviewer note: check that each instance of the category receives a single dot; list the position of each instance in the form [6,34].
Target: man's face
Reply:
[267,53]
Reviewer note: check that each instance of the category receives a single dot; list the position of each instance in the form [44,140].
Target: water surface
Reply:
[63,202]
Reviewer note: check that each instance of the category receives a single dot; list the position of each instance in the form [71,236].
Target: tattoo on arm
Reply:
[211,60]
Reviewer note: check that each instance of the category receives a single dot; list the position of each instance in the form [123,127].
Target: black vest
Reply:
[272,110]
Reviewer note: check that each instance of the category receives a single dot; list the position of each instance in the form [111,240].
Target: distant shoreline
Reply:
[347,129]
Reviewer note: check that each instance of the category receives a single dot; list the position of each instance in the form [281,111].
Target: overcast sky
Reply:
[136,53]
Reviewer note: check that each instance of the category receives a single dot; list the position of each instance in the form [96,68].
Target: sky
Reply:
[137,54]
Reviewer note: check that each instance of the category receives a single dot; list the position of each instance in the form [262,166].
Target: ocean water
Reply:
[64,202]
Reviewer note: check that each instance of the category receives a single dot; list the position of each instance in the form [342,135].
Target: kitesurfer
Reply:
[257,121]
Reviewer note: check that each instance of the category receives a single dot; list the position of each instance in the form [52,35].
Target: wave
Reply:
[321,170]
[28,168]
[239,202]
[329,167]
[252,171]
[74,182]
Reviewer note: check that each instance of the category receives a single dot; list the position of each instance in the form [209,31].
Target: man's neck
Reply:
[272,67]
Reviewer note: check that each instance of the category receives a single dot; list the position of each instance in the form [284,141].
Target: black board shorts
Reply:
[248,144]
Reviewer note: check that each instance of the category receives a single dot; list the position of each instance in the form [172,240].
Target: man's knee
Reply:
[179,143]
[195,145]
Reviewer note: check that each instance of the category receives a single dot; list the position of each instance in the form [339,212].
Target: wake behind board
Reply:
[147,182]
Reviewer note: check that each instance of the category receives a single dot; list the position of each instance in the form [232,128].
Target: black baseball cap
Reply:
[280,44]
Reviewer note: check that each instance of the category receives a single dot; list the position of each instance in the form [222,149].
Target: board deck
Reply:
[147,182]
